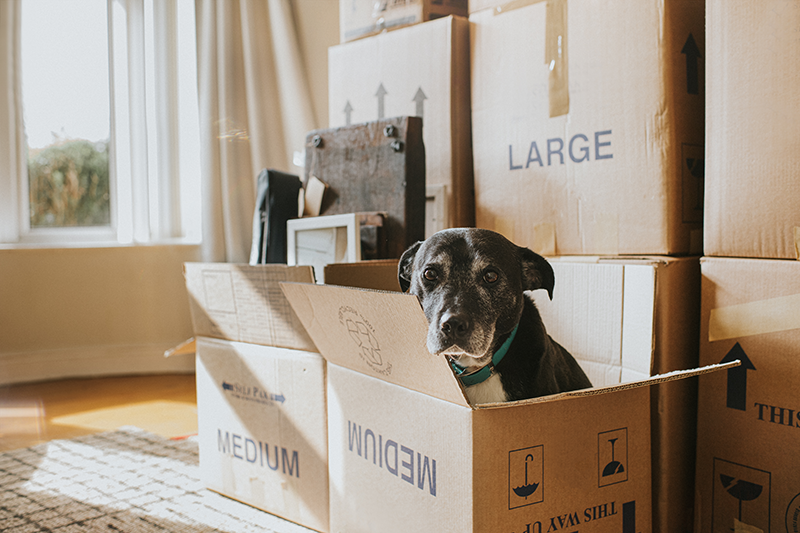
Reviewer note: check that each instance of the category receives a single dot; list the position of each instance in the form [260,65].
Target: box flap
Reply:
[380,274]
[603,313]
[379,334]
[187,347]
[654,380]
[244,303]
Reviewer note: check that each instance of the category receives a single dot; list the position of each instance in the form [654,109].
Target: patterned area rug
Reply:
[121,481]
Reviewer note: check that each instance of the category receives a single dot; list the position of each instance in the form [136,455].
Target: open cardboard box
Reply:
[262,425]
[407,452]
[625,319]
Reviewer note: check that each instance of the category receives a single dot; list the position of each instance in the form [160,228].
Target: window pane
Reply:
[65,97]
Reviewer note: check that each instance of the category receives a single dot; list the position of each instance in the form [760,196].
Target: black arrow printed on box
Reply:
[737,378]
[419,99]
[348,110]
[278,397]
[381,94]
[692,53]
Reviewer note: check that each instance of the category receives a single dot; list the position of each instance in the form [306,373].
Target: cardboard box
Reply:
[625,320]
[379,274]
[753,129]
[261,405]
[587,122]
[244,303]
[360,18]
[262,428]
[748,422]
[644,321]
[421,71]
[408,453]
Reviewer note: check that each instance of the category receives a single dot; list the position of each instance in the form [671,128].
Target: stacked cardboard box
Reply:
[748,420]
[753,123]
[748,423]
[362,18]
[421,70]
[262,423]
[587,123]
[588,139]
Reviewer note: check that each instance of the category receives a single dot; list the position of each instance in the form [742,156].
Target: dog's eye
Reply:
[490,276]
[430,274]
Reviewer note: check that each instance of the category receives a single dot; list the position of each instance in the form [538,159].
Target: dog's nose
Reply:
[455,326]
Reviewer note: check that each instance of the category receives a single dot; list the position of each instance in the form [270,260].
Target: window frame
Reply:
[149,191]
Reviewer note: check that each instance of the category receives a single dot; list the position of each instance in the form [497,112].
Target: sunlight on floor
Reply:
[150,416]
[38,412]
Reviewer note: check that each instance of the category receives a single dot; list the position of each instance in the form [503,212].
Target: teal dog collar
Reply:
[483,373]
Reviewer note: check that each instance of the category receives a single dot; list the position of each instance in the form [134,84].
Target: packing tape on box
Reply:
[544,239]
[797,242]
[555,50]
[544,235]
[505,227]
[755,318]
[605,233]
[515,4]
[741,527]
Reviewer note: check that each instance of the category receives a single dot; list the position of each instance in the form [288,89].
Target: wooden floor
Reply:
[39,412]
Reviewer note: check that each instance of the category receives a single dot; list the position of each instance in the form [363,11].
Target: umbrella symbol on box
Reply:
[527,489]
[614,466]
[742,490]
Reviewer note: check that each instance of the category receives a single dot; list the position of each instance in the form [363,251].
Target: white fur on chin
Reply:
[467,361]
[488,391]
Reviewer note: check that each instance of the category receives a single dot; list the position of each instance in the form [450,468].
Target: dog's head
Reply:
[471,283]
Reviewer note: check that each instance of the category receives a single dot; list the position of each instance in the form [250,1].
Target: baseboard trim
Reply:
[91,361]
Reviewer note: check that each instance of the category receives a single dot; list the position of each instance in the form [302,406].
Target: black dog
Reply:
[471,284]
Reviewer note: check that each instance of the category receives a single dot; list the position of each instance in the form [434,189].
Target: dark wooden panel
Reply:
[375,166]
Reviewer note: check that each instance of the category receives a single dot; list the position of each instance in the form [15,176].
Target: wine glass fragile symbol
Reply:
[614,467]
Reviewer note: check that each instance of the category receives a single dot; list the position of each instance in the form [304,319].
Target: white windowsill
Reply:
[27,245]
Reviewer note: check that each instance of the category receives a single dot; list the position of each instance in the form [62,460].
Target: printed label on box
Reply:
[612,454]
[366,343]
[693,172]
[525,476]
[740,495]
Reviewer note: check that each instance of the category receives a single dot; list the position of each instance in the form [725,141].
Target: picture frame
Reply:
[322,240]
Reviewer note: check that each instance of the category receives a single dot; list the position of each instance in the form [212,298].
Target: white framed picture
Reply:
[320,241]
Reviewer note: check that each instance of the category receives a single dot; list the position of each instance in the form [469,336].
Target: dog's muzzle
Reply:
[458,333]
[455,326]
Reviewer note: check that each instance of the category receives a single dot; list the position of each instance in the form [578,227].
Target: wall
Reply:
[92,311]
[67,312]
[317,29]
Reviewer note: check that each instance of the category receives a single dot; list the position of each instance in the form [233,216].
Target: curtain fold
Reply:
[255,109]
[11,137]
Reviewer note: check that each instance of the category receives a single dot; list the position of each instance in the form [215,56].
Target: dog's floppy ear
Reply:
[406,266]
[536,272]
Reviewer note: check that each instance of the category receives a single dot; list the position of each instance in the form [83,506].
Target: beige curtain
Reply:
[255,109]
[11,146]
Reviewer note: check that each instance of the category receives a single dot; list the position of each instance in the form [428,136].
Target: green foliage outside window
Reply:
[69,184]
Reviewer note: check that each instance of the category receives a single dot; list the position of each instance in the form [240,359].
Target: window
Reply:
[66,112]
[109,129]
